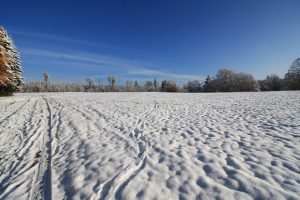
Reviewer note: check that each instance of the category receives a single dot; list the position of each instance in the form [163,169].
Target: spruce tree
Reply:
[10,65]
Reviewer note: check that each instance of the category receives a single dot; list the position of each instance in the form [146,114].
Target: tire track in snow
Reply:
[13,164]
[86,115]
[42,183]
[57,123]
[7,106]
[22,168]
[24,139]
[14,112]
[116,185]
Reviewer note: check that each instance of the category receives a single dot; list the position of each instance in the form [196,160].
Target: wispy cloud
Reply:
[62,39]
[146,72]
[166,75]
[85,57]
[124,68]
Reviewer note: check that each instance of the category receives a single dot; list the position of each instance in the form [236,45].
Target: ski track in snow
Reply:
[118,182]
[150,146]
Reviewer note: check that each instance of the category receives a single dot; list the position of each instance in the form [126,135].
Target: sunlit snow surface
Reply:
[150,146]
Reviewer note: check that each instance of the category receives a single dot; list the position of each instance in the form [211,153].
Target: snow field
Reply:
[150,146]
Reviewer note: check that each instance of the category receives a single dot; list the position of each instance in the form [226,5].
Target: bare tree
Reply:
[193,86]
[128,86]
[244,82]
[271,83]
[229,81]
[112,81]
[149,86]
[168,86]
[90,83]
[46,82]
[98,85]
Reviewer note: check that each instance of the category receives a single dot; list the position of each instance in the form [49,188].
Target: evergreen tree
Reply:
[10,65]
[206,83]
[163,86]
[155,84]
[207,80]
[5,71]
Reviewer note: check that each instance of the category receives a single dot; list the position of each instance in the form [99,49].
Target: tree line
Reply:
[225,80]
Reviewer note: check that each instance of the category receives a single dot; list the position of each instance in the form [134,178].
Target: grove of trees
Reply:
[229,81]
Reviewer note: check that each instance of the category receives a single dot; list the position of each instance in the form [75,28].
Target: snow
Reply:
[150,146]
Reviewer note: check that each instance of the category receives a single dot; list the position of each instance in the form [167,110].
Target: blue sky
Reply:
[143,39]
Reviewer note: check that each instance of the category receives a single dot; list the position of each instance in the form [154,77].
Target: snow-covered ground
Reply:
[150,146]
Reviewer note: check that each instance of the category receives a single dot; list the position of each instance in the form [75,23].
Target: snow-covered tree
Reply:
[271,83]
[149,86]
[206,83]
[292,78]
[112,81]
[155,84]
[46,81]
[90,84]
[168,86]
[5,71]
[295,67]
[207,80]
[136,86]
[229,81]
[193,86]
[128,86]
[10,65]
